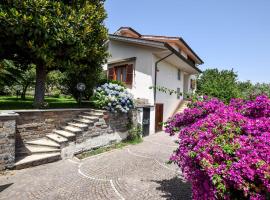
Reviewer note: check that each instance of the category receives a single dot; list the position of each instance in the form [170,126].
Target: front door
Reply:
[159,117]
[146,121]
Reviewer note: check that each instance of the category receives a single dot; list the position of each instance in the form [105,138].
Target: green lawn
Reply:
[12,103]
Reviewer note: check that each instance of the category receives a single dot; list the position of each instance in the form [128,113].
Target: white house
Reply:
[144,61]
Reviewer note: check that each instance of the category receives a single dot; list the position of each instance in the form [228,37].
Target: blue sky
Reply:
[226,34]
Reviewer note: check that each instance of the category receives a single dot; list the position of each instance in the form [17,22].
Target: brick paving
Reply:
[134,172]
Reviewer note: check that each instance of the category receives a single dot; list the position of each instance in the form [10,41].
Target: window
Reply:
[179,74]
[123,73]
[178,93]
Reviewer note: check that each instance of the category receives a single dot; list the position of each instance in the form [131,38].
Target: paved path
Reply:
[136,172]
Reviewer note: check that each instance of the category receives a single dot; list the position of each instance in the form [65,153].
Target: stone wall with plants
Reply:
[112,128]
[34,124]
[15,128]
[110,123]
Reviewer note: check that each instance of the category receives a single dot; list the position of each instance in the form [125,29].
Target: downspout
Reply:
[156,65]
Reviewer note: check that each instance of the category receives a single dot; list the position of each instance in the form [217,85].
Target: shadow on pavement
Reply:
[174,189]
[3,187]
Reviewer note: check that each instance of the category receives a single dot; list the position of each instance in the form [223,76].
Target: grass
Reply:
[14,103]
[100,150]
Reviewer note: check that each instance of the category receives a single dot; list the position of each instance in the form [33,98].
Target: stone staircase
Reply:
[48,149]
[182,106]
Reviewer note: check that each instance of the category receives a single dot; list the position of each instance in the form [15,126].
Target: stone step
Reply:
[29,150]
[64,133]
[97,114]
[57,138]
[85,121]
[43,142]
[100,124]
[79,125]
[97,111]
[180,111]
[36,159]
[183,108]
[92,118]
[72,129]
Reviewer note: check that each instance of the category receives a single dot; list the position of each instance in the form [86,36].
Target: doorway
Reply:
[146,122]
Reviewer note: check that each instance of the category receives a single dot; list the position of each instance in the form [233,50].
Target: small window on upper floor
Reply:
[179,75]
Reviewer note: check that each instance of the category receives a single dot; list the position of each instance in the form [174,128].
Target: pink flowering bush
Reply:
[224,150]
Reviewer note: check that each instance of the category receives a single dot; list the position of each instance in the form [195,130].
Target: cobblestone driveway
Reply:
[136,172]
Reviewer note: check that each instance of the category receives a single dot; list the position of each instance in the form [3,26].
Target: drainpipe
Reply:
[156,68]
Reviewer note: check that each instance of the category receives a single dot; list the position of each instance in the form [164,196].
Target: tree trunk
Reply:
[40,86]
[24,91]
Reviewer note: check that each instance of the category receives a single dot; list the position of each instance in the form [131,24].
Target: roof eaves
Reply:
[182,57]
[142,41]
[126,27]
[160,36]
[153,43]
[122,60]
[175,38]
[183,41]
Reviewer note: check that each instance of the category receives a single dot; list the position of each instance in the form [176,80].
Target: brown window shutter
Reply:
[111,74]
[129,79]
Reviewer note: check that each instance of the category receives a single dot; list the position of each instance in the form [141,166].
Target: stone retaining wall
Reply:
[15,128]
[34,124]
[111,129]
[7,140]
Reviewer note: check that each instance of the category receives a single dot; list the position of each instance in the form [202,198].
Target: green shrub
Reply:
[56,93]
[218,83]
[135,133]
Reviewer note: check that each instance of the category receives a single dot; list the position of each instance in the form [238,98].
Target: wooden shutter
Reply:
[111,74]
[129,74]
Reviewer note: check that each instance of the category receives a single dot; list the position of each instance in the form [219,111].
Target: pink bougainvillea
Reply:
[224,150]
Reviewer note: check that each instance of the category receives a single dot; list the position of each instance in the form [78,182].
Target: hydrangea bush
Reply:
[224,150]
[113,97]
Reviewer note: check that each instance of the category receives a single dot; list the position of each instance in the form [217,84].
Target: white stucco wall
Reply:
[143,68]
[144,77]
[143,71]
[167,76]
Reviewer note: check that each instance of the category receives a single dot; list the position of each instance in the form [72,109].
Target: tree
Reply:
[250,91]
[261,88]
[221,84]
[54,83]
[245,88]
[9,74]
[87,76]
[27,78]
[53,35]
